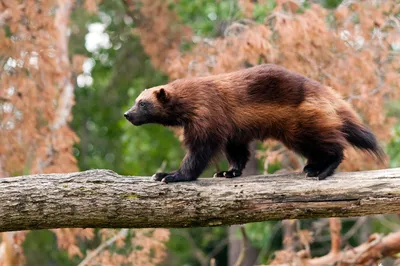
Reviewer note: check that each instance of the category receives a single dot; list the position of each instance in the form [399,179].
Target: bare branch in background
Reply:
[218,248]
[368,253]
[353,230]
[389,224]
[91,255]
[335,226]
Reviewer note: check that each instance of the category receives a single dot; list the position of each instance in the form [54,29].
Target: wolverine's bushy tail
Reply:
[361,137]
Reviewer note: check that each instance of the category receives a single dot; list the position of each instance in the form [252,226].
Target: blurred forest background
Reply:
[70,68]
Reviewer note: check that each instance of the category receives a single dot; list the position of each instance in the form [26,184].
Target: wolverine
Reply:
[226,112]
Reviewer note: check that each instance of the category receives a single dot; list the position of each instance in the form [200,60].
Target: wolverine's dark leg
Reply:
[332,162]
[237,154]
[325,165]
[194,163]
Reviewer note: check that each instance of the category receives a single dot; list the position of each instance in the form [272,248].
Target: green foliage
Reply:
[206,17]
[259,233]
[184,242]
[330,3]
[40,248]
[393,147]
[261,10]
[119,74]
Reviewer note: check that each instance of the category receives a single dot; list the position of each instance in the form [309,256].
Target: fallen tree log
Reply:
[104,199]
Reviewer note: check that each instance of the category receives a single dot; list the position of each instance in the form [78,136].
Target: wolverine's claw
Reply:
[228,174]
[156,178]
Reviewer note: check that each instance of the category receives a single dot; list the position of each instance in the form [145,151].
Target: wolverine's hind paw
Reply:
[311,170]
[228,174]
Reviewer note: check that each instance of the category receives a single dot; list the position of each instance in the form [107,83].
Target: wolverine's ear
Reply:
[162,95]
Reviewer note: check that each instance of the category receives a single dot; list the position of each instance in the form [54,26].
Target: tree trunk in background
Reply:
[289,229]
[66,98]
[7,249]
[235,241]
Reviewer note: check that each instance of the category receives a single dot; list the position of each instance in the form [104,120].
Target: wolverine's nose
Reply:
[126,114]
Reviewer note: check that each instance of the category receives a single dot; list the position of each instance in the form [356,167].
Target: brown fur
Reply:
[265,101]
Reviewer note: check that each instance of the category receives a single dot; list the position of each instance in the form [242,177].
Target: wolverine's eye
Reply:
[142,104]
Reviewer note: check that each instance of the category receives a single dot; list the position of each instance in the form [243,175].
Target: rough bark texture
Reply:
[101,198]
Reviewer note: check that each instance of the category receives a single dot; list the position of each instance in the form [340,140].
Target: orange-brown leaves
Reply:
[148,247]
[91,6]
[353,54]
[36,92]
[67,239]
[160,31]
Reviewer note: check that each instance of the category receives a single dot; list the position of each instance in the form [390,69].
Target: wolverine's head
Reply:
[151,106]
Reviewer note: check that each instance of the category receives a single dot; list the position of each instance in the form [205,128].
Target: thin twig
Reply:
[162,166]
[357,225]
[245,246]
[389,224]
[218,248]
[121,234]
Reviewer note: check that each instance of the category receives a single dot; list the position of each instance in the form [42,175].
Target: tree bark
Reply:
[101,198]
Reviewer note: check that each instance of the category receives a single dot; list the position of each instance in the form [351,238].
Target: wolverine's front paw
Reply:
[170,177]
[228,174]
[159,176]
[174,177]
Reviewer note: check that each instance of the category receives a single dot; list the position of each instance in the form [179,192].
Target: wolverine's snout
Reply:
[132,117]
[136,117]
